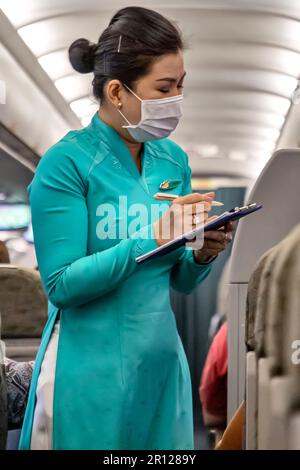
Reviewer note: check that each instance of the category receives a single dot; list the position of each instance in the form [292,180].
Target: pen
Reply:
[171,197]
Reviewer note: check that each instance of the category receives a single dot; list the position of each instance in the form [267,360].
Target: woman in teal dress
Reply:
[111,372]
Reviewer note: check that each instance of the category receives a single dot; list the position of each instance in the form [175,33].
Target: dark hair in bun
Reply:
[81,55]
[126,49]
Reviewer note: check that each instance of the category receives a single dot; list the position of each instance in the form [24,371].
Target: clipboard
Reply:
[227,216]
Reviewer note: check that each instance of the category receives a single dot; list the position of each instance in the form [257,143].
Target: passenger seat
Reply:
[23,308]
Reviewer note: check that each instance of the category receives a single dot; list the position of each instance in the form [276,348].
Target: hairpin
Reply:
[119,46]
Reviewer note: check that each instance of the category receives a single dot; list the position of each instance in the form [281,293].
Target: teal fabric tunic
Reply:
[122,379]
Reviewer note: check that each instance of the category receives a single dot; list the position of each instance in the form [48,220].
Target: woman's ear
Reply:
[114,91]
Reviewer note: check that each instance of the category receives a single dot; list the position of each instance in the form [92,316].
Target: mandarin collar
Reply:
[118,147]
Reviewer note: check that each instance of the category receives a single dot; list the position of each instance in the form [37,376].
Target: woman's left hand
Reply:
[215,241]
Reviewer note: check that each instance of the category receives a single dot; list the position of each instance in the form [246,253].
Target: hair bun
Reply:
[81,55]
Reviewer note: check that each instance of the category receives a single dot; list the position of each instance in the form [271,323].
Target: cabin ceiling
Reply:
[242,64]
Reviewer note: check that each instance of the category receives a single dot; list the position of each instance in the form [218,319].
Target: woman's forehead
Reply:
[169,66]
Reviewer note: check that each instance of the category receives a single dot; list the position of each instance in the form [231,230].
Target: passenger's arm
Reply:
[18,379]
[187,273]
[60,224]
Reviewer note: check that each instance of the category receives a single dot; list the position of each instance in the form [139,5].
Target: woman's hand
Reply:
[184,214]
[215,241]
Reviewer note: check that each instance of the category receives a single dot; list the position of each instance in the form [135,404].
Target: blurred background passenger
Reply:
[213,384]
[15,378]
[4,255]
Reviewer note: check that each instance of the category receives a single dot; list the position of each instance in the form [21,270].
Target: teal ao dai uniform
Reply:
[122,379]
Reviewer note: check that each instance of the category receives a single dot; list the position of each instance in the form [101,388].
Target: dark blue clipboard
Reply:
[234,214]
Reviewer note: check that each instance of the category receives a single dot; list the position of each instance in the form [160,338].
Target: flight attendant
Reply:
[111,372]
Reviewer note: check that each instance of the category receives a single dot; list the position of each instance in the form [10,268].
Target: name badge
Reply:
[169,184]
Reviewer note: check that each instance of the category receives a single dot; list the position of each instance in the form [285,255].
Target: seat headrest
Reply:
[23,303]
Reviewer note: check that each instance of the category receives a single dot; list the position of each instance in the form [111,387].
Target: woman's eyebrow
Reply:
[171,79]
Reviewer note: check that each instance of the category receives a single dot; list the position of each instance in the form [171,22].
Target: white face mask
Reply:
[159,117]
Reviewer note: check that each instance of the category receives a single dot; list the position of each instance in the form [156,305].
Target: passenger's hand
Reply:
[180,216]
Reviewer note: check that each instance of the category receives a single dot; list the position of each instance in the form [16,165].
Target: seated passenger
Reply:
[213,386]
[15,381]
[18,378]
[4,256]
[15,378]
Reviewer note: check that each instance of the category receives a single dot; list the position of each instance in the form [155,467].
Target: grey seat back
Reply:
[252,301]
[282,316]
[23,304]
[23,308]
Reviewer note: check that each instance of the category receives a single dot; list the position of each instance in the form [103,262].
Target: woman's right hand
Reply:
[179,217]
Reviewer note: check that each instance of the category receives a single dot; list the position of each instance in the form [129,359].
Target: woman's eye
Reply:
[164,90]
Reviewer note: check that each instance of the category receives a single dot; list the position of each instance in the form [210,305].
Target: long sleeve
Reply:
[60,225]
[186,274]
